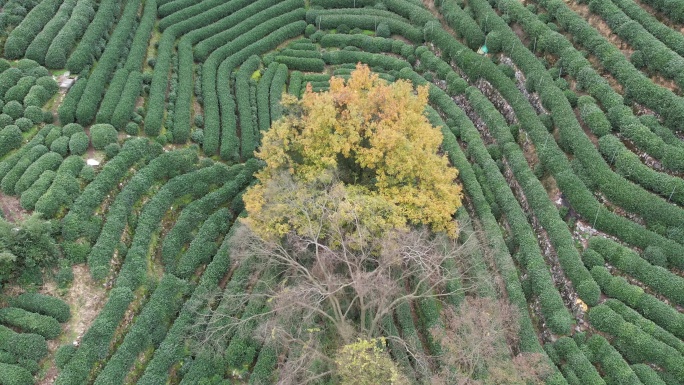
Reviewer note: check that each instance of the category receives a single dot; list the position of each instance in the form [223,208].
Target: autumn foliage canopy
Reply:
[368,136]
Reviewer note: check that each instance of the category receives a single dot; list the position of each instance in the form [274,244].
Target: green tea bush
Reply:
[78,143]
[48,161]
[14,109]
[34,114]
[23,345]
[64,354]
[86,50]
[10,139]
[102,134]
[19,91]
[14,375]
[60,47]
[96,341]
[21,36]
[43,304]
[45,326]
[24,124]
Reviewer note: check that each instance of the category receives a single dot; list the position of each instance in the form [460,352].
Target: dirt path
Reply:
[11,208]
[85,298]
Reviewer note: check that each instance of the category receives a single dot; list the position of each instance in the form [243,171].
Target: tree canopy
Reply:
[25,245]
[368,136]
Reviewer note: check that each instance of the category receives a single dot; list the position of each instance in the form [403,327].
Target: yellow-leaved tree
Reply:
[352,217]
[367,135]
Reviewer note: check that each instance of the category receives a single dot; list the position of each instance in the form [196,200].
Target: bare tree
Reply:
[335,271]
[477,340]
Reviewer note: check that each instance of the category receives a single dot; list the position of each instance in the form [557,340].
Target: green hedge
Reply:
[24,124]
[112,96]
[668,36]
[199,210]
[170,351]
[48,161]
[658,278]
[268,36]
[647,305]
[202,25]
[19,91]
[9,78]
[67,110]
[247,21]
[302,63]
[27,321]
[647,375]
[39,46]
[78,143]
[658,56]
[574,358]
[249,131]
[646,325]
[64,42]
[636,345]
[276,91]
[629,165]
[61,194]
[14,109]
[95,343]
[331,19]
[43,304]
[138,47]
[74,223]
[128,98]
[14,375]
[183,110]
[37,97]
[672,8]
[635,83]
[148,329]
[10,179]
[552,157]
[106,65]
[295,83]
[462,23]
[536,195]
[103,134]
[29,197]
[163,167]
[504,262]
[23,345]
[11,160]
[204,245]
[196,184]
[262,99]
[86,50]
[614,367]
[34,114]
[10,139]
[21,36]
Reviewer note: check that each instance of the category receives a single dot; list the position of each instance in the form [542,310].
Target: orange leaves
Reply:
[371,134]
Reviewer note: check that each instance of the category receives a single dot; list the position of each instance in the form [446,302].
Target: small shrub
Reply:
[60,145]
[111,150]
[24,124]
[103,134]
[78,143]
[14,109]
[35,114]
